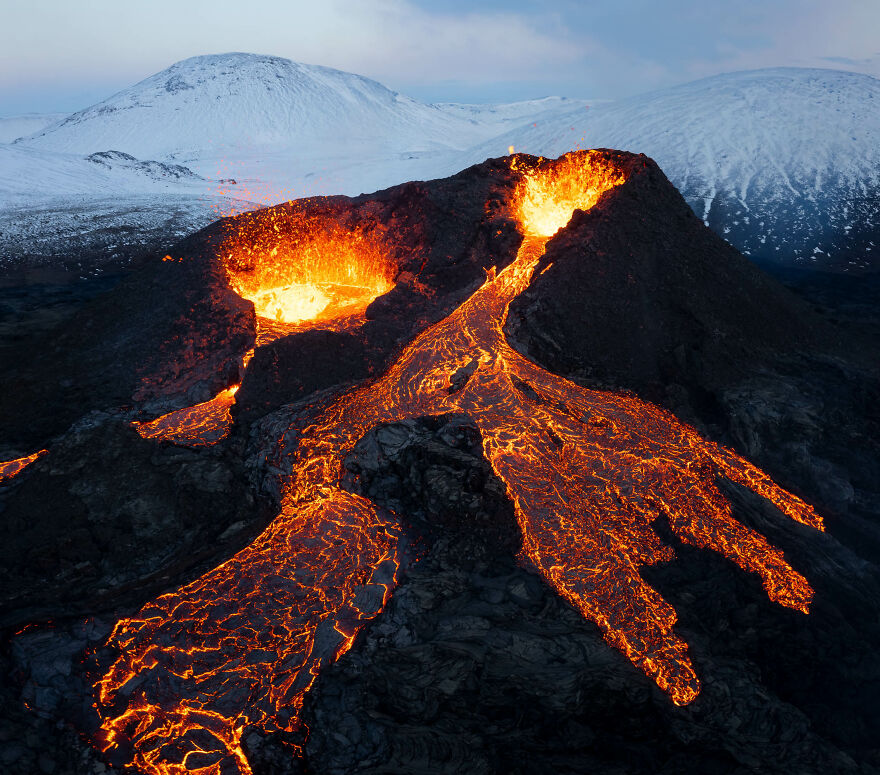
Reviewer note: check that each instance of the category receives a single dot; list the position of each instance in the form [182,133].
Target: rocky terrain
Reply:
[475,664]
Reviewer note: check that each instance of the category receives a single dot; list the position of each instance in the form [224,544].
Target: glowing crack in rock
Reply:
[587,472]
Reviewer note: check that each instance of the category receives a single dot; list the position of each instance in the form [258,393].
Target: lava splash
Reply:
[300,270]
[587,472]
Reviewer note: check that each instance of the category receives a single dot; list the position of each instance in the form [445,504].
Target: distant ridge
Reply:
[784,163]
[250,101]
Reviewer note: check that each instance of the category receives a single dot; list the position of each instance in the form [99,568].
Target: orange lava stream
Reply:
[587,472]
[195,426]
[243,644]
[10,468]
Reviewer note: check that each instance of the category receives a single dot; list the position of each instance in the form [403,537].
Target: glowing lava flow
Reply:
[195,426]
[10,468]
[587,472]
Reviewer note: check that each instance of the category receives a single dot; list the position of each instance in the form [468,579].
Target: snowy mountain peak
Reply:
[239,100]
[238,69]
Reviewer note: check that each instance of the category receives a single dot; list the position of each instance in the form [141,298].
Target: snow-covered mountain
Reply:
[235,102]
[784,163]
[234,127]
[280,129]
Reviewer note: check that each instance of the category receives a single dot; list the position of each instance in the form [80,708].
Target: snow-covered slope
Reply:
[784,163]
[31,175]
[229,102]
[84,213]
[13,127]
[499,118]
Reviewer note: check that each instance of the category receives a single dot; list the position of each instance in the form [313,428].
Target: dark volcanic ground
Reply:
[475,665]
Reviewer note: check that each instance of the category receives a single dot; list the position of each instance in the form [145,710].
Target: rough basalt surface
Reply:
[432,471]
[637,294]
[166,337]
[476,666]
[443,236]
[107,516]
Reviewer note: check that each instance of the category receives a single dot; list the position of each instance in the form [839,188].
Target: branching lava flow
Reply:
[587,472]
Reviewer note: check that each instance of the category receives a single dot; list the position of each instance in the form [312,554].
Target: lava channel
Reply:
[201,425]
[587,471]
[11,468]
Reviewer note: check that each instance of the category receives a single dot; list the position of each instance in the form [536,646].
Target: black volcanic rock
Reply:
[478,666]
[293,367]
[637,294]
[109,518]
[442,237]
[169,336]
[173,333]
[433,473]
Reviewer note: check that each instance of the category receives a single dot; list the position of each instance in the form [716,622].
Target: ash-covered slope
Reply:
[783,163]
[235,102]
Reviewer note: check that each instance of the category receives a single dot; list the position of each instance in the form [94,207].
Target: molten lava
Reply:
[587,472]
[10,468]
[195,426]
[299,268]
[544,203]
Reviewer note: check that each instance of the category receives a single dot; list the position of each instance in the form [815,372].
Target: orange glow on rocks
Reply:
[547,198]
[587,471]
[299,268]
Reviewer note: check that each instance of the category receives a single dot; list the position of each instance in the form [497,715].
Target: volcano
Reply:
[480,469]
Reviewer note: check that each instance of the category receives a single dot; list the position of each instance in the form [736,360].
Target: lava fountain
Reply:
[587,472]
[301,269]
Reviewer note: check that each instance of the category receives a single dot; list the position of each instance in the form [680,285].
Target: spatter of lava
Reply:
[301,270]
[587,472]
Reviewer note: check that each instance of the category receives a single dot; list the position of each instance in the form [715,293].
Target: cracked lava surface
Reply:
[587,471]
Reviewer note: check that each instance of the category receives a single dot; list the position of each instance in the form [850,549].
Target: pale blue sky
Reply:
[60,55]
